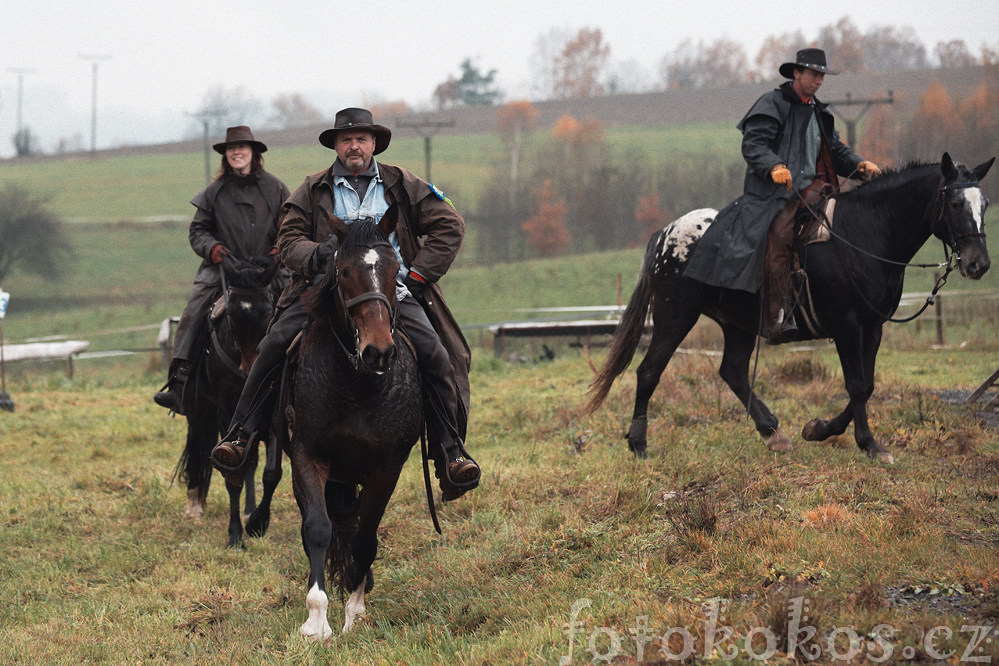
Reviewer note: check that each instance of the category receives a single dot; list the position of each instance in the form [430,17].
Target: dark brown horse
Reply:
[855,283]
[355,414]
[236,324]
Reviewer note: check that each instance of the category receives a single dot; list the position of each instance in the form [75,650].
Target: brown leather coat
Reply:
[430,232]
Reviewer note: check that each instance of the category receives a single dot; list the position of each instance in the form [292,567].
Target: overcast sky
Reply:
[158,59]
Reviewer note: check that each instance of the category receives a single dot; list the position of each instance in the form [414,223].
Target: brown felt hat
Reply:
[356,119]
[814,59]
[239,134]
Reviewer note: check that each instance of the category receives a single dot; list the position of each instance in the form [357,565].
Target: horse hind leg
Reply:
[672,320]
[734,370]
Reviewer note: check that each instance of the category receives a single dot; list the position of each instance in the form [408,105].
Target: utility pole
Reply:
[206,118]
[851,123]
[426,128]
[20,71]
[93,98]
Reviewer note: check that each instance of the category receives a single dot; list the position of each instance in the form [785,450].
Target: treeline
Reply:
[566,195]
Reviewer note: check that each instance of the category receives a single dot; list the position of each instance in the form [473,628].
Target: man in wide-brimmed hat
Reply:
[428,234]
[236,214]
[793,155]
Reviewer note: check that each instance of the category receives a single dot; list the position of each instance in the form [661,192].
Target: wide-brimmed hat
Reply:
[239,134]
[814,59]
[356,119]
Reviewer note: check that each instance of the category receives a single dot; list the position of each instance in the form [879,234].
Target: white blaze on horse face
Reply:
[245,305]
[317,628]
[976,204]
[354,608]
[682,234]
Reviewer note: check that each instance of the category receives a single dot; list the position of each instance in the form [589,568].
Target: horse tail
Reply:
[342,506]
[628,333]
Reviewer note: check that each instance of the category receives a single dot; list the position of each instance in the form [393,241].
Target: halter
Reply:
[346,304]
[939,205]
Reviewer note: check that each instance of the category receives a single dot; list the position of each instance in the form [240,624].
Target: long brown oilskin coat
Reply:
[430,233]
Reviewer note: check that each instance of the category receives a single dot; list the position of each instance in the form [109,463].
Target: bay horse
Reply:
[236,323]
[855,284]
[354,416]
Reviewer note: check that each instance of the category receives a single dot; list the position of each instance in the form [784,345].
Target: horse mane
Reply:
[890,179]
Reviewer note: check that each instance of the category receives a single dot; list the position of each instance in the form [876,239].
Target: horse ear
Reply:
[389,220]
[982,169]
[337,226]
[947,167]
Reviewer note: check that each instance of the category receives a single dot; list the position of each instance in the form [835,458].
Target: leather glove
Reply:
[324,252]
[417,285]
[217,252]
[868,169]
[781,175]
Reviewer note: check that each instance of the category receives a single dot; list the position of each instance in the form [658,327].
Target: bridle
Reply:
[345,305]
[941,228]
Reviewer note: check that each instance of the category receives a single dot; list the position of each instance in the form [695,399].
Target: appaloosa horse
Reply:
[236,324]
[354,416]
[854,282]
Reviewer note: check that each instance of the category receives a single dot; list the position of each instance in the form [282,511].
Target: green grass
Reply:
[98,563]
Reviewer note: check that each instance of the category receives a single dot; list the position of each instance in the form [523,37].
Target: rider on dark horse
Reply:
[793,155]
[355,187]
[237,213]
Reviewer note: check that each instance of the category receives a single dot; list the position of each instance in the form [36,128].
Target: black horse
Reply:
[236,324]
[854,281]
[354,416]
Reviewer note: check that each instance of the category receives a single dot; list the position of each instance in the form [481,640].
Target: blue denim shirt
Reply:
[349,208]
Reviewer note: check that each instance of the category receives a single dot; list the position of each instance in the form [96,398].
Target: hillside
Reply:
[674,107]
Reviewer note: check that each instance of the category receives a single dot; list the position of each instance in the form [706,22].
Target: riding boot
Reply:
[171,395]
[775,294]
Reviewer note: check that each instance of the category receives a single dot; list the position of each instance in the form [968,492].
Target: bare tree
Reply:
[954,53]
[777,50]
[25,142]
[292,110]
[719,63]
[891,49]
[226,107]
[628,77]
[543,61]
[843,44]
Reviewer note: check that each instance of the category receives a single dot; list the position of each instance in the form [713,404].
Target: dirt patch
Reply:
[988,417]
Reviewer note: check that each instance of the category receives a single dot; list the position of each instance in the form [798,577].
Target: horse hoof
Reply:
[881,454]
[814,430]
[780,443]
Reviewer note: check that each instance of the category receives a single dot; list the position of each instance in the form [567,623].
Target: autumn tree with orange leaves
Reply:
[580,65]
[546,230]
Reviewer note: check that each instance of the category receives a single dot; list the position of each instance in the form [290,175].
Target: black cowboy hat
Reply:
[356,119]
[239,134]
[814,59]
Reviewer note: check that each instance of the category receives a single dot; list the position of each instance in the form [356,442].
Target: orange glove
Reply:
[781,175]
[218,251]
[868,169]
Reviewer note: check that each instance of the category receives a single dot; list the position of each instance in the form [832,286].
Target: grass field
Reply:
[98,564]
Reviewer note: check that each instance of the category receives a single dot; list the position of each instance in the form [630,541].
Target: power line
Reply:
[95,59]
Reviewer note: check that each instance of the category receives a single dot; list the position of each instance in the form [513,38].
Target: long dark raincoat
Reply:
[733,248]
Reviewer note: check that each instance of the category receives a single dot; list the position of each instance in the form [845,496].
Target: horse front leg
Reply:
[235,520]
[260,519]
[734,370]
[250,500]
[364,546]
[857,353]
[309,483]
